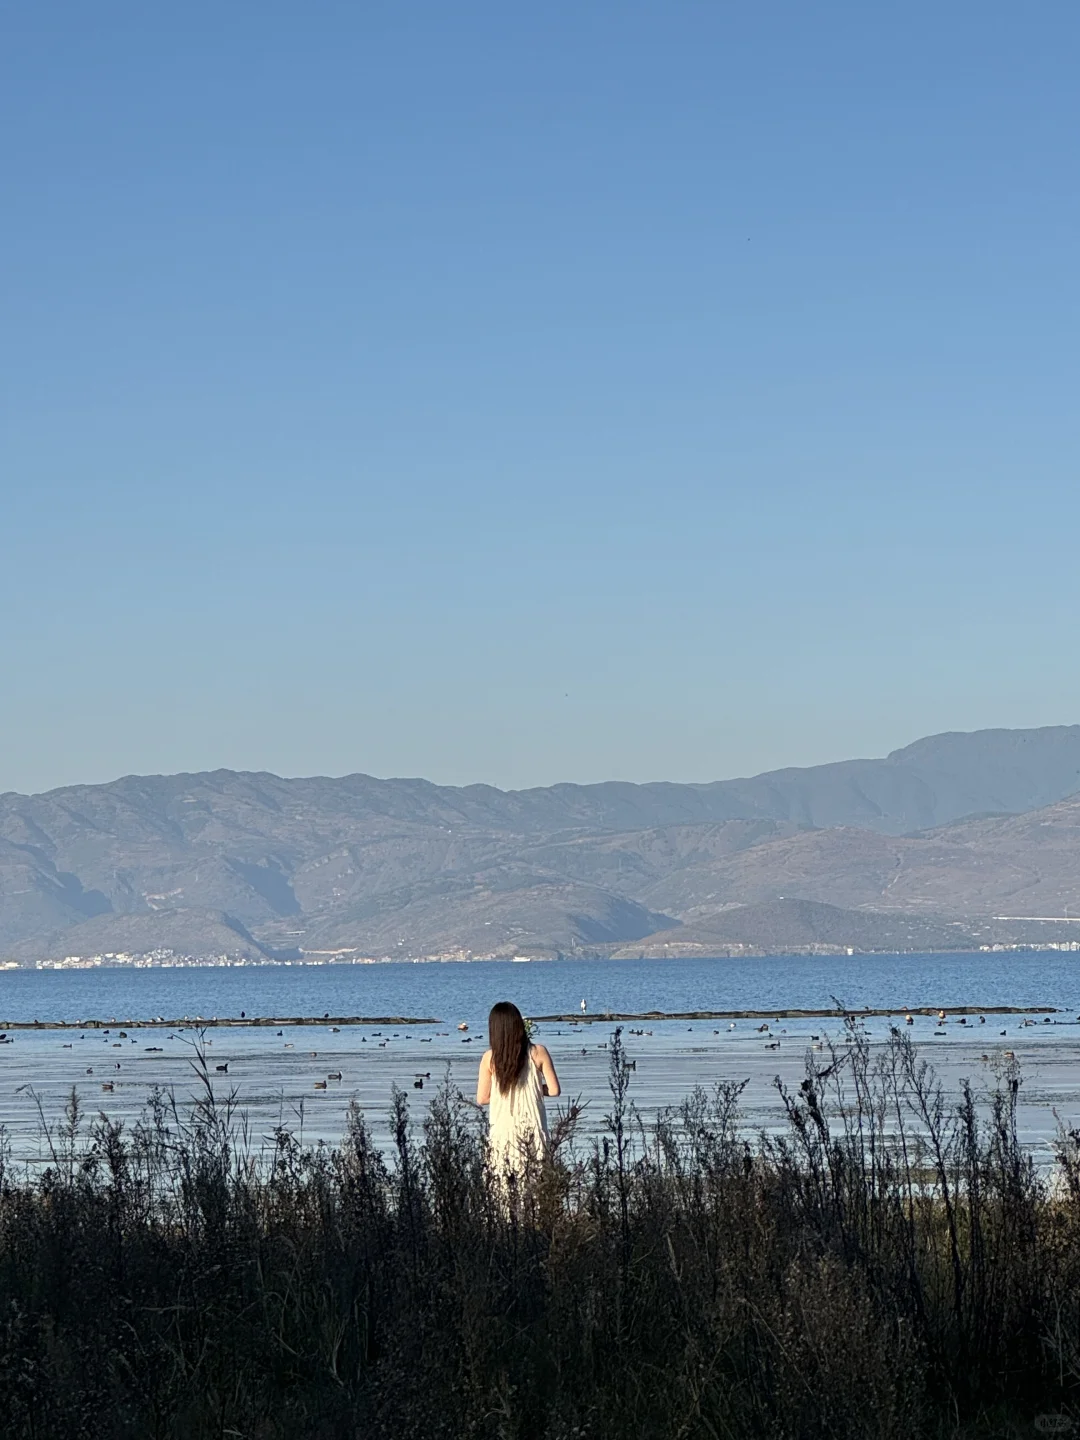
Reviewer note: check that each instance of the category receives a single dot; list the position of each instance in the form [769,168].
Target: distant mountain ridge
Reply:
[410,867]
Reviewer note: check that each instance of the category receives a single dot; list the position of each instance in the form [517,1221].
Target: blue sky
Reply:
[525,393]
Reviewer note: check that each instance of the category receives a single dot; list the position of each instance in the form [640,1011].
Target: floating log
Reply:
[606,1016]
[198,1022]
[602,1017]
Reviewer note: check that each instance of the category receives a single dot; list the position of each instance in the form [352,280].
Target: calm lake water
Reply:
[453,992]
[275,1074]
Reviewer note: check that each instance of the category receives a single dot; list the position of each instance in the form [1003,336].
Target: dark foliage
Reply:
[889,1265]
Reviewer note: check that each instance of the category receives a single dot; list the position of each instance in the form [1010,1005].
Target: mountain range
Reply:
[925,849]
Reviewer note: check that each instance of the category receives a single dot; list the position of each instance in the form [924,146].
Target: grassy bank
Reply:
[891,1265]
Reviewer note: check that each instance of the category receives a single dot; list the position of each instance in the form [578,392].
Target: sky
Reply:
[521,393]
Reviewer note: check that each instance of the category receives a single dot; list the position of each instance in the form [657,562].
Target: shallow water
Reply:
[274,1075]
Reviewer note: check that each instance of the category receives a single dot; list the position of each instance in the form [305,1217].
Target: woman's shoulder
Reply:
[538,1052]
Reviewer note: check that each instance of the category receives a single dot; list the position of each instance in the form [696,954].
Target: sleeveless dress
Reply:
[518,1122]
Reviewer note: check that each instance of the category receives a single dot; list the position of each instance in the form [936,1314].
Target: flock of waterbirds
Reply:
[770,1027]
[197,1025]
[274,1065]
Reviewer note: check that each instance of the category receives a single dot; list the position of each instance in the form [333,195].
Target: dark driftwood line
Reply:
[833,1013]
[198,1022]
[601,1016]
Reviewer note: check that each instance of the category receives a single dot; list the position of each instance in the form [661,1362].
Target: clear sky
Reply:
[521,393]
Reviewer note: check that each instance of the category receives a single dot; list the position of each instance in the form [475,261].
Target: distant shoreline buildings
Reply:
[171,960]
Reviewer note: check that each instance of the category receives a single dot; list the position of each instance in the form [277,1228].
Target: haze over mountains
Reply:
[919,850]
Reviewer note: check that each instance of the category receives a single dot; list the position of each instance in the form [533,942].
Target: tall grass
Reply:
[890,1264]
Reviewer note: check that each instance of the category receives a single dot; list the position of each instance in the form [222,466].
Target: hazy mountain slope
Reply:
[391,864]
[631,863]
[1023,865]
[932,782]
[203,933]
[779,925]
[988,770]
[929,783]
[36,898]
[843,866]
[1014,865]
[487,916]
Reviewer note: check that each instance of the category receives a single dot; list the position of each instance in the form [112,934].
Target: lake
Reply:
[275,1075]
[465,991]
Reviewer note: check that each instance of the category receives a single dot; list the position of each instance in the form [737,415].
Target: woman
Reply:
[514,1078]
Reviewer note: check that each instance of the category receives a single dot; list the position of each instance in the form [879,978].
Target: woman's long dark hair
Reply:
[509,1043]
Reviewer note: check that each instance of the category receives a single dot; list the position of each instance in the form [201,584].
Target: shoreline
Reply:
[616,951]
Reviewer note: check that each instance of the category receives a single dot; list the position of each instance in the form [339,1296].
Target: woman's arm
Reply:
[547,1069]
[483,1080]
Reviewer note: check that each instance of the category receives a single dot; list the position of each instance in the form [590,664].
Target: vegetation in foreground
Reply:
[891,1265]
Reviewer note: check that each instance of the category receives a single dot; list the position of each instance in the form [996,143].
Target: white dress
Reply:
[518,1121]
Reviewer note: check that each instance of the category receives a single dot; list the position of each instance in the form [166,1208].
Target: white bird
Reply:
[584,1007]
